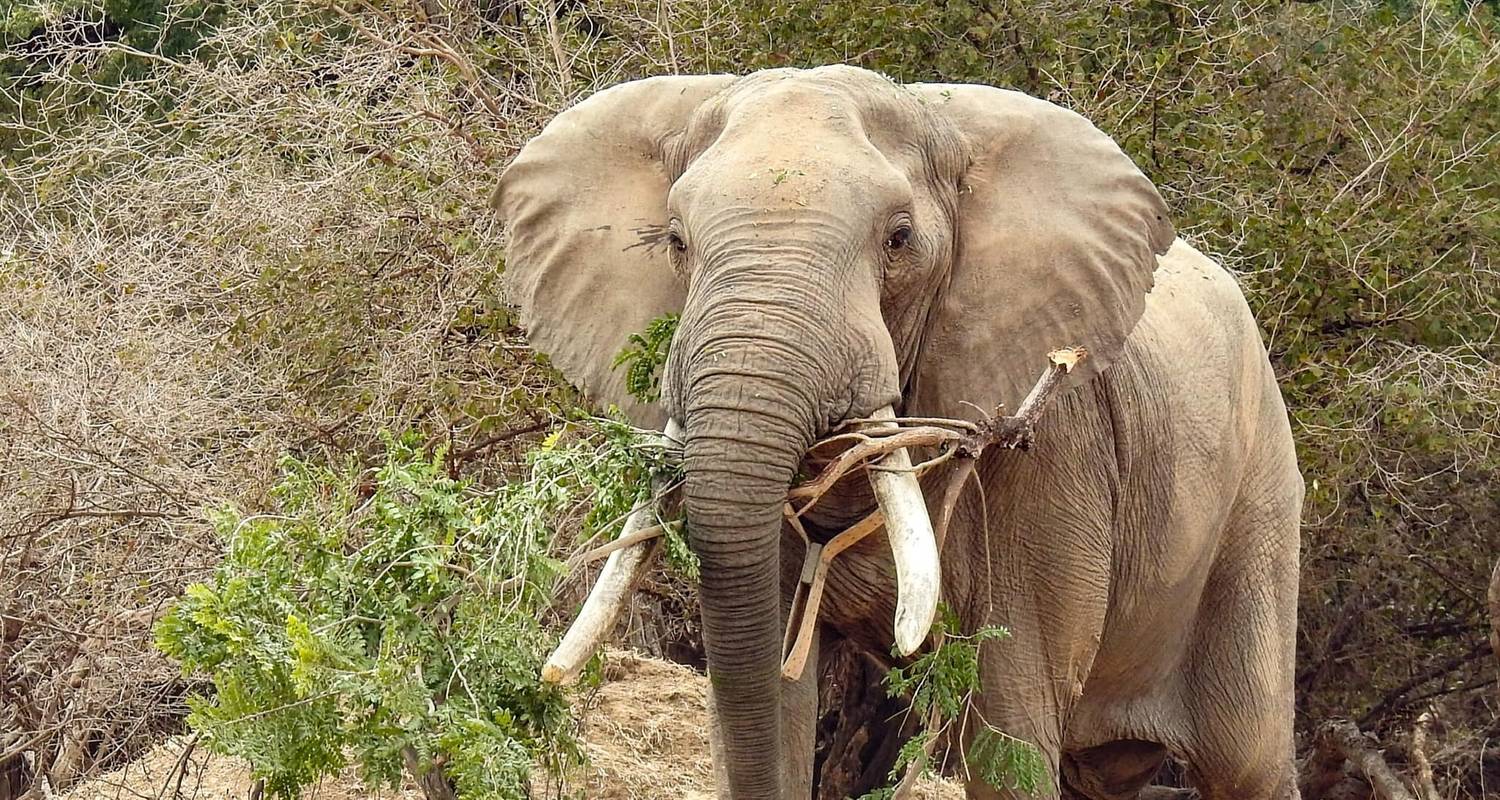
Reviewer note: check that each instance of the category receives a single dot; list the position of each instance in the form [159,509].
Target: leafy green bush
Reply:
[395,614]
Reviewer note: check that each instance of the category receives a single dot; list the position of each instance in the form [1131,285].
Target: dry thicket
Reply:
[276,240]
[207,264]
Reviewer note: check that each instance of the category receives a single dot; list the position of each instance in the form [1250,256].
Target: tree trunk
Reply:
[860,729]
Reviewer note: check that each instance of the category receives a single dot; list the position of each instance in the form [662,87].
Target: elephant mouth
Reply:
[901,511]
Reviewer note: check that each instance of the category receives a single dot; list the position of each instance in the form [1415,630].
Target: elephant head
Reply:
[836,243]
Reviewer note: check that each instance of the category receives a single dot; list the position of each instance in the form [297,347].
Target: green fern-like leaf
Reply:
[644,356]
[1003,761]
[940,685]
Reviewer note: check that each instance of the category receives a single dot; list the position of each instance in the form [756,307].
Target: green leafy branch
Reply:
[941,685]
[393,614]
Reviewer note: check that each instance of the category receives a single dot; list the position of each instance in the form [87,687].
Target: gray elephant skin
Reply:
[837,243]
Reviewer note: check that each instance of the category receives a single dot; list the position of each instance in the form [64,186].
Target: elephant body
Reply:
[1164,621]
[837,244]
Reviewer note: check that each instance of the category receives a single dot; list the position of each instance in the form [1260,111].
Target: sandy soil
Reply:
[646,732]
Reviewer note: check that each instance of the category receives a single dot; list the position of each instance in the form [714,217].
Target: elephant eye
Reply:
[676,243]
[898,238]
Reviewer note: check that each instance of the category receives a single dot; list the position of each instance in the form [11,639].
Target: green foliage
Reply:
[943,679]
[1003,761]
[644,356]
[41,40]
[941,685]
[397,609]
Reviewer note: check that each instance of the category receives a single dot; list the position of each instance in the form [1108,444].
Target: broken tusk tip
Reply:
[910,633]
[553,674]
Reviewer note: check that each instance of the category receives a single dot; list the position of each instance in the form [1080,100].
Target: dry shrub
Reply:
[276,242]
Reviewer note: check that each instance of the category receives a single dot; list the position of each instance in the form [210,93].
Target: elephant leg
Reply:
[1239,679]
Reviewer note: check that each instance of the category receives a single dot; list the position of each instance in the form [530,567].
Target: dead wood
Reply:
[860,727]
[1426,787]
[1339,749]
[954,438]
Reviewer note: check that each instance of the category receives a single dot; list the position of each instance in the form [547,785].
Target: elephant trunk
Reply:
[749,418]
[767,357]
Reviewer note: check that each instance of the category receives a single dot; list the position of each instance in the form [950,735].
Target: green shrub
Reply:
[394,614]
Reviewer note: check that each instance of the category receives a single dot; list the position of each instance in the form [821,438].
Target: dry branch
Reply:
[1426,787]
[955,438]
[1339,741]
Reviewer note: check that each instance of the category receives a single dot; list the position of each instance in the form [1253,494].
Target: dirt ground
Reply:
[646,732]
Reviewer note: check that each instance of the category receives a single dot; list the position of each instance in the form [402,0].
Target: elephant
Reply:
[839,245]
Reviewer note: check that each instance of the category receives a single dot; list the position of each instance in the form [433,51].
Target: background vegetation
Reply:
[233,230]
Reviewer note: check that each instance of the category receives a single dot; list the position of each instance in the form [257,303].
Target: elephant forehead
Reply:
[821,172]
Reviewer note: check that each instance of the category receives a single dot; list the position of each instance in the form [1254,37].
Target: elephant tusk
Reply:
[607,599]
[913,546]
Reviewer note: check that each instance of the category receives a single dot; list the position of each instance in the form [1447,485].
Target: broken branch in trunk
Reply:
[958,438]
[1011,432]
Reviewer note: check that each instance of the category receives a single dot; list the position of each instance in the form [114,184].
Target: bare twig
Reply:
[602,551]
[179,770]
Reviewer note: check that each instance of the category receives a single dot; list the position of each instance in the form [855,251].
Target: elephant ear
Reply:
[1056,243]
[586,204]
